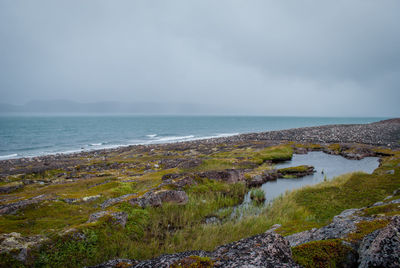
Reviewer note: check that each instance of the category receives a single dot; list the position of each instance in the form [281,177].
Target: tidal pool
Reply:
[326,166]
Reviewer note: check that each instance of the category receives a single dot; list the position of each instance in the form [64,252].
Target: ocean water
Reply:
[28,136]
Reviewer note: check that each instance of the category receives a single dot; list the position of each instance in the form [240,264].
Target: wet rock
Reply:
[227,175]
[18,246]
[118,217]
[255,181]
[14,207]
[382,247]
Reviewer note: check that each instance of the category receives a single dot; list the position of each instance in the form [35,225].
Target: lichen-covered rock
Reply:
[19,246]
[342,225]
[382,247]
[227,175]
[113,201]
[118,217]
[155,199]
[265,250]
[14,207]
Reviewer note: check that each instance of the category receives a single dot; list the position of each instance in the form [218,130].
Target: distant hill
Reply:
[107,107]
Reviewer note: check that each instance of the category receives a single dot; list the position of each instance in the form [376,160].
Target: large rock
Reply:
[342,225]
[265,250]
[18,246]
[382,247]
[268,175]
[227,175]
[119,217]
[155,199]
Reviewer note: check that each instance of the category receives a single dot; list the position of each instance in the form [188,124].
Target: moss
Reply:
[366,227]
[387,210]
[293,170]
[193,262]
[325,253]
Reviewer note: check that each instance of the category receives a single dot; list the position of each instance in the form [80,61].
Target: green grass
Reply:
[257,195]
[291,170]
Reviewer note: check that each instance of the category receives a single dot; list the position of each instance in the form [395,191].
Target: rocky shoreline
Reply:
[383,133]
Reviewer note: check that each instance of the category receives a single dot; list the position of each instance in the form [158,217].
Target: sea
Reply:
[37,135]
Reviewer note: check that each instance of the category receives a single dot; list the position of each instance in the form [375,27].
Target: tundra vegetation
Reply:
[127,182]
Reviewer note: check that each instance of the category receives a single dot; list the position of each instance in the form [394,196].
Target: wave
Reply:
[151,135]
[227,134]
[174,138]
[96,144]
[8,156]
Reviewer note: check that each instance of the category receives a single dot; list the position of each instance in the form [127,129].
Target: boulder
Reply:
[227,175]
[155,199]
[18,246]
[118,217]
[265,250]
[382,247]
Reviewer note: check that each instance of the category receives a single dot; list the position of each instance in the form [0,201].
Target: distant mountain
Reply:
[108,107]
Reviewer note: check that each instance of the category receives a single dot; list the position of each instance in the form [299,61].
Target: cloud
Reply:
[257,57]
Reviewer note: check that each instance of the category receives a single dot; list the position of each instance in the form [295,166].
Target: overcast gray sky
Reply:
[335,58]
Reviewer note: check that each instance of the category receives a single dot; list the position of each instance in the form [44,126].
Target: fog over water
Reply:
[316,58]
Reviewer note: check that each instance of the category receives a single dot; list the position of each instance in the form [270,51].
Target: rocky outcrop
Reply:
[6,189]
[18,246]
[113,201]
[14,207]
[227,175]
[155,199]
[382,247]
[119,217]
[342,225]
[265,250]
